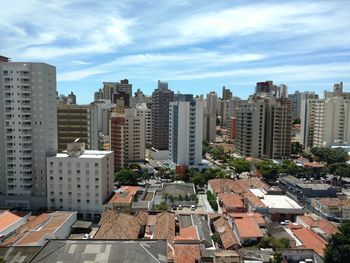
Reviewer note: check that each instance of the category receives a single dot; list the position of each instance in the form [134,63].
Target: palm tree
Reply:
[180,198]
[165,196]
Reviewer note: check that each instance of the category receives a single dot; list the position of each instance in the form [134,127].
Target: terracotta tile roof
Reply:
[8,218]
[223,186]
[248,228]
[333,202]
[53,222]
[310,239]
[187,253]
[142,217]
[164,227]
[188,233]
[259,219]
[231,200]
[314,165]
[253,199]
[228,238]
[118,226]
[124,195]
[247,184]
[327,227]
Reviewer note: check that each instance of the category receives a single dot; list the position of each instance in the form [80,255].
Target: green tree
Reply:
[241,165]
[289,167]
[171,198]
[216,237]
[212,201]
[199,180]
[330,155]
[268,170]
[126,177]
[296,148]
[338,247]
[180,198]
[163,206]
[277,257]
[165,197]
[340,169]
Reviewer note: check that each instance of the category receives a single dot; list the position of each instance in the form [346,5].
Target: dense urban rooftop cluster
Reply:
[170,177]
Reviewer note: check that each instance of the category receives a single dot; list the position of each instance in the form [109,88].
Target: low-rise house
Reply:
[217,186]
[120,226]
[55,225]
[199,223]
[187,253]
[123,198]
[229,239]
[230,202]
[259,219]
[247,230]
[320,226]
[280,207]
[10,221]
[302,190]
[108,251]
[333,207]
[309,239]
[225,256]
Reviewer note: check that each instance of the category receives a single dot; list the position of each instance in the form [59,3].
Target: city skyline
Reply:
[199,46]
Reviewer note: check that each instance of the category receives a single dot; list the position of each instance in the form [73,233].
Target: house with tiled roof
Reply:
[259,218]
[247,230]
[229,239]
[333,207]
[122,198]
[56,225]
[119,226]
[10,221]
[320,226]
[187,253]
[309,239]
[230,202]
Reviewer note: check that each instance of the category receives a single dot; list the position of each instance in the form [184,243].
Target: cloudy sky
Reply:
[197,46]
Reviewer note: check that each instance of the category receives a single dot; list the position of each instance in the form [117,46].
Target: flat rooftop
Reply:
[276,201]
[86,154]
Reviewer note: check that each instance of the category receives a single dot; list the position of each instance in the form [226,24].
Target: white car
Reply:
[193,207]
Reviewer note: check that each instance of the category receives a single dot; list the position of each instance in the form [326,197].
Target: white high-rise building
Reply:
[28,131]
[144,112]
[186,130]
[103,108]
[80,180]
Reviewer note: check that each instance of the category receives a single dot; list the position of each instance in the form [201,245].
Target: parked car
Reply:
[174,207]
[180,207]
[193,207]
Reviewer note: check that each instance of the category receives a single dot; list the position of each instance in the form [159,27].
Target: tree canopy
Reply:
[126,177]
[340,169]
[268,170]
[338,247]
[241,165]
[330,155]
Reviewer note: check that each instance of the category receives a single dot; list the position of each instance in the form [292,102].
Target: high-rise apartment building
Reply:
[80,180]
[104,109]
[28,131]
[111,88]
[332,118]
[98,95]
[161,97]
[139,97]
[226,93]
[127,138]
[186,126]
[77,121]
[143,111]
[263,128]
[296,99]
[212,107]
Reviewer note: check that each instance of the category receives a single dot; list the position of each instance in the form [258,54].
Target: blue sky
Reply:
[197,46]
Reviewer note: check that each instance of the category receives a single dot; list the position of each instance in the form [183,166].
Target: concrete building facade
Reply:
[161,97]
[80,180]
[28,131]
[185,127]
[127,138]
[212,108]
[77,121]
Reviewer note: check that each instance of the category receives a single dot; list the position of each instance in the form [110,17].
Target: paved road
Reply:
[204,202]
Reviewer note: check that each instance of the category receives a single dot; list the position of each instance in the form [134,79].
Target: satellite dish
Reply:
[77,139]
